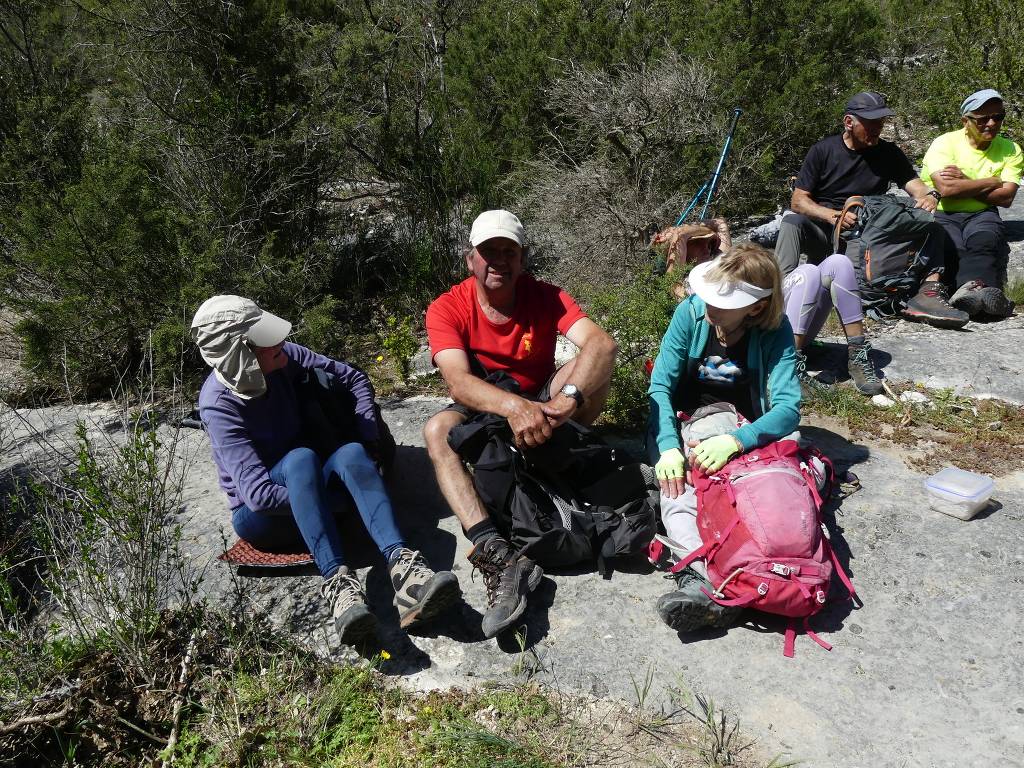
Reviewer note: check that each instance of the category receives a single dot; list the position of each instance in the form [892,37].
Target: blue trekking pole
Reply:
[710,184]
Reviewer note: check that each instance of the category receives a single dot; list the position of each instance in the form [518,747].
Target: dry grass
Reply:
[234,693]
[985,435]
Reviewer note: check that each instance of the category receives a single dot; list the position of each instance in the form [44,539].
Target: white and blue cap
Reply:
[978,98]
[728,294]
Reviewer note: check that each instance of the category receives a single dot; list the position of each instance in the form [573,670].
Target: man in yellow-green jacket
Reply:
[976,171]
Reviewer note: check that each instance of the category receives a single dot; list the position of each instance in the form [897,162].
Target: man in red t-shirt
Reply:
[501,319]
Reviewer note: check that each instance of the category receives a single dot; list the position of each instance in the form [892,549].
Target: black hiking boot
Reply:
[508,579]
[688,609]
[420,594]
[806,380]
[931,305]
[862,370]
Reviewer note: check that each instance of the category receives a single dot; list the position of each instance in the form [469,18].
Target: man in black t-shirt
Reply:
[855,162]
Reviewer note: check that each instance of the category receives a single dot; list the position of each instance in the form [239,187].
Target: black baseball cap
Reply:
[869,105]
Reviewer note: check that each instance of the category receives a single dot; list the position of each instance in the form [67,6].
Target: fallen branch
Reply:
[179,700]
[47,719]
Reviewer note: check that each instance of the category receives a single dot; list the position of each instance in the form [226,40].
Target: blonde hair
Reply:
[755,265]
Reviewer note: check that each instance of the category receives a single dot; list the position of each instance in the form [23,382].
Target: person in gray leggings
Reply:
[811,292]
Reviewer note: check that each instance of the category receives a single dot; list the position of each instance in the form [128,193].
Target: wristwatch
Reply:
[935,193]
[571,390]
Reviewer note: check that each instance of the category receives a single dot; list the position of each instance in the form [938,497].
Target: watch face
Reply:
[571,390]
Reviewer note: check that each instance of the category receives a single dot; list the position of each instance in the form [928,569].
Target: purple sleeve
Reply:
[236,455]
[357,382]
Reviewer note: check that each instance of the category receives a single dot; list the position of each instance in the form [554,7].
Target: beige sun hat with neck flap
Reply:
[226,328]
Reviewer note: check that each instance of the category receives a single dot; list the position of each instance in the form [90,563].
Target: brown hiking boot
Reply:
[931,305]
[508,579]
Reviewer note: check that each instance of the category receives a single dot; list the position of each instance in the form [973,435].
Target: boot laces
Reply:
[801,364]
[344,590]
[863,361]
[936,289]
[410,562]
[491,566]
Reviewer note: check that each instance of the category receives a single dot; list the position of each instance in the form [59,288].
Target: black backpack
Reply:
[329,418]
[887,248]
[570,500]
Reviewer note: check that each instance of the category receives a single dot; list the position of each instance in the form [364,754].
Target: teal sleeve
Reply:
[781,398]
[669,368]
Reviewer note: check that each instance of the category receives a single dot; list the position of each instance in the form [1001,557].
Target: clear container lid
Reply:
[960,482]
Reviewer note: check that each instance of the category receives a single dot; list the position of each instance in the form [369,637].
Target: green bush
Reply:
[636,315]
[324,158]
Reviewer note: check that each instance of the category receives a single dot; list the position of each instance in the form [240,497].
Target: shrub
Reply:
[108,535]
[636,314]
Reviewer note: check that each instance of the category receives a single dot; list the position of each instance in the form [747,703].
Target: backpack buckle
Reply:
[820,597]
[781,570]
[762,589]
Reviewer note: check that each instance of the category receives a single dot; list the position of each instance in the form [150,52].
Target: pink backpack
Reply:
[759,518]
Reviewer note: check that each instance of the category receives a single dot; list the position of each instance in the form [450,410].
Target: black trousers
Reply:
[975,246]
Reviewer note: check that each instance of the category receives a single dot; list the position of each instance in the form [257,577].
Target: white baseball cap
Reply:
[260,328]
[497,223]
[724,295]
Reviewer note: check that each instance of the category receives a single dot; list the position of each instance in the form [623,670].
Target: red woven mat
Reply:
[244,553]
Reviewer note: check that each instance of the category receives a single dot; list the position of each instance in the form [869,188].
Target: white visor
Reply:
[269,331]
[725,295]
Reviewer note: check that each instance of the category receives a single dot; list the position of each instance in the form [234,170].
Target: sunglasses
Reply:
[982,119]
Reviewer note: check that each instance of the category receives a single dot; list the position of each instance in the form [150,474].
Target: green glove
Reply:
[670,465]
[715,451]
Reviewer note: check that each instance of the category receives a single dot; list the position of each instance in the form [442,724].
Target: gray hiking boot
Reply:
[420,594]
[353,621]
[931,305]
[976,298]
[508,579]
[968,297]
[862,370]
[688,609]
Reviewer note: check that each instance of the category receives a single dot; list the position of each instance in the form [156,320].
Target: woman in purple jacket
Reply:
[279,491]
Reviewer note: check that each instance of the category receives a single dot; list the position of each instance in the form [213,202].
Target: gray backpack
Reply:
[887,248]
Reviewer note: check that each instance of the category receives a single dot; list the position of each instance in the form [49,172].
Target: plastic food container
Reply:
[958,492]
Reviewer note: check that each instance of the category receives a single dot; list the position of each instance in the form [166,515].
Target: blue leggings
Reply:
[310,517]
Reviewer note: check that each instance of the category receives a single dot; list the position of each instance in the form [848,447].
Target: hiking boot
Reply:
[862,370]
[420,594]
[688,609]
[975,298]
[995,303]
[931,305]
[968,297]
[508,579]
[353,621]
[805,379]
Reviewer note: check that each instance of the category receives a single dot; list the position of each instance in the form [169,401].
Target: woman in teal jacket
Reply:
[729,341]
